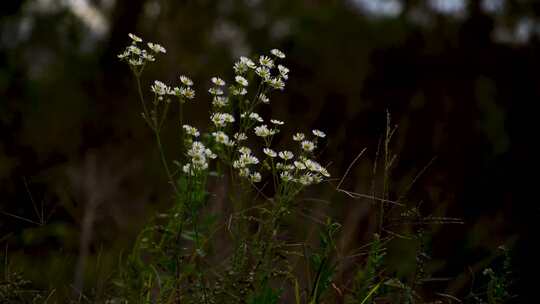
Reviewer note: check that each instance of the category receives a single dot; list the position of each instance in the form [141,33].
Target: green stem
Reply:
[371,292]
[163,116]
[158,138]
[181,119]
[141,97]
[165,166]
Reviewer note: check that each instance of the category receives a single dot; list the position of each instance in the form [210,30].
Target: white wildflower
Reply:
[198,153]
[196,147]
[148,57]
[276,83]
[132,49]
[255,177]
[244,150]
[221,119]
[264,99]
[248,62]
[156,48]
[238,91]
[199,160]
[220,101]
[240,136]
[319,133]
[285,167]
[299,165]
[215,91]
[218,81]
[241,80]
[160,88]
[244,172]
[192,131]
[253,116]
[277,122]
[286,176]
[269,152]
[263,72]
[312,165]
[186,80]
[124,55]
[266,61]
[187,169]
[245,160]
[286,155]
[200,166]
[135,61]
[299,137]
[210,154]
[306,179]
[278,53]
[242,66]
[237,164]
[256,117]
[249,159]
[324,172]
[187,92]
[283,70]
[134,38]
[221,137]
[307,145]
[263,131]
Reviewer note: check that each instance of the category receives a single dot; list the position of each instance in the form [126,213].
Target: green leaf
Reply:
[265,296]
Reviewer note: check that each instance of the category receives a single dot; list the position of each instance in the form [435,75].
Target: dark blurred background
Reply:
[79,174]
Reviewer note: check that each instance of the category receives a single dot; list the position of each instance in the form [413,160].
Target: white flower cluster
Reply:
[220,101]
[264,131]
[161,89]
[253,116]
[308,145]
[199,156]
[263,98]
[241,81]
[240,136]
[278,53]
[264,71]
[243,164]
[183,92]
[191,131]
[267,74]
[241,67]
[269,152]
[135,54]
[264,67]
[222,138]
[272,75]
[218,81]
[221,120]
[303,171]
[238,90]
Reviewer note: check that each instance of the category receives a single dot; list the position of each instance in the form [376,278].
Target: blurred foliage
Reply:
[460,78]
